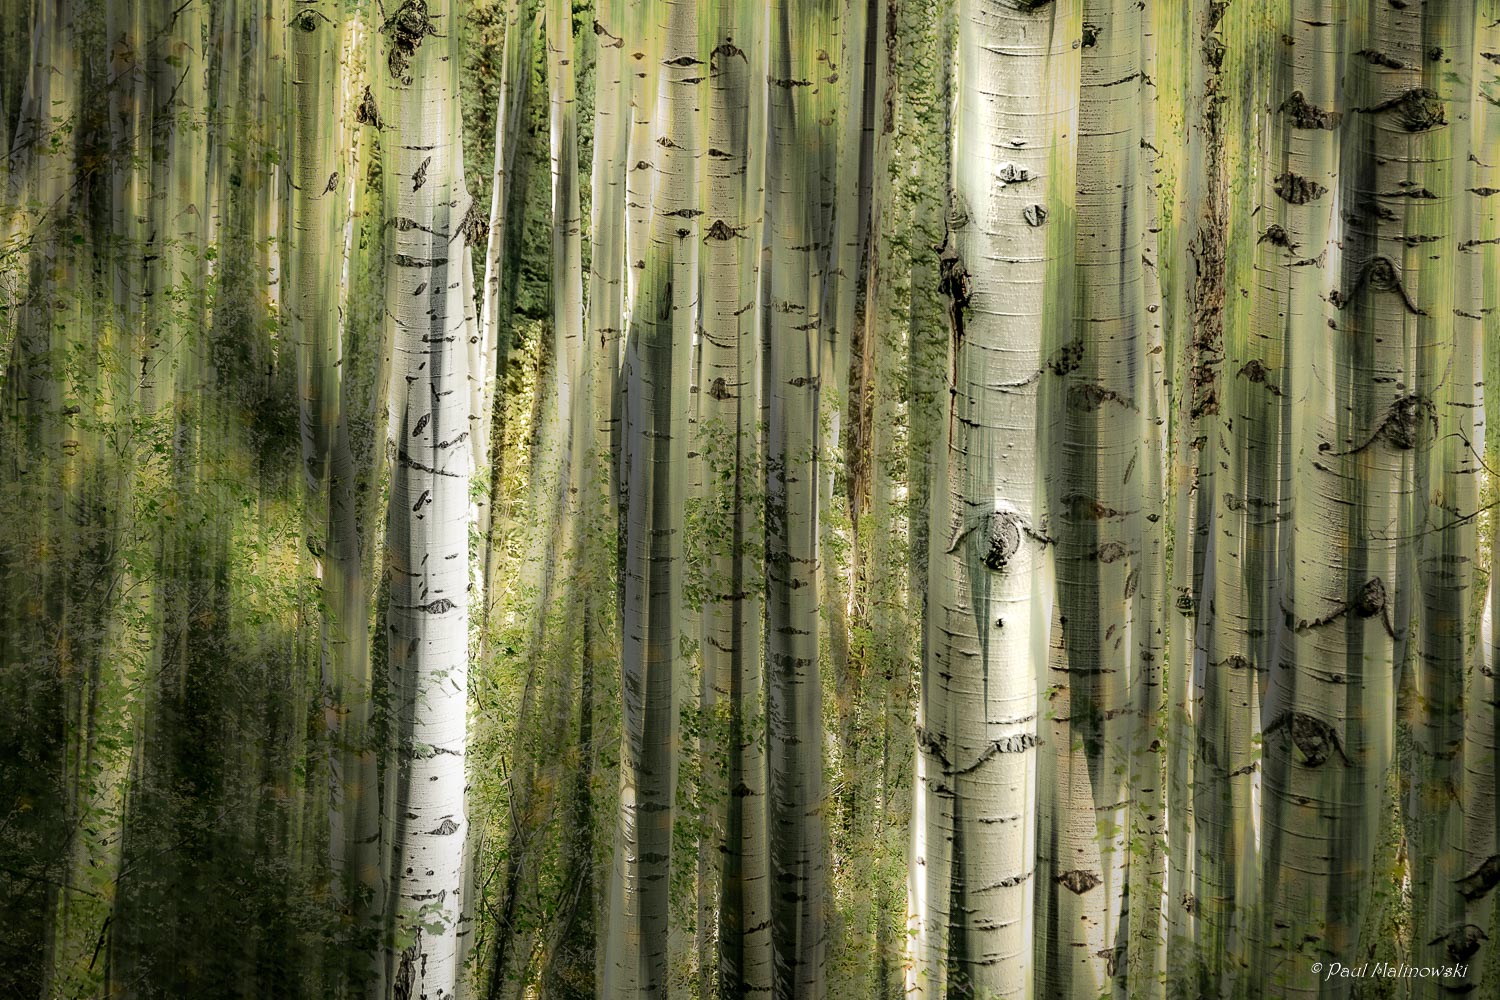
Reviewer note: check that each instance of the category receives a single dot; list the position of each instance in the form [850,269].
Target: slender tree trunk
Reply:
[429,505]
[1090,726]
[1446,282]
[729,435]
[1367,424]
[792,329]
[656,376]
[1481,694]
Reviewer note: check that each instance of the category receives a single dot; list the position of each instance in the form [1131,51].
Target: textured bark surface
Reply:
[662,315]
[1010,221]
[427,547]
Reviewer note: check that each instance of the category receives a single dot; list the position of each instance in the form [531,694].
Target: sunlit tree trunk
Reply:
[1300,247]
[1010,235]
[1367,423]
[791,318]
[429,498]
[1089,727]
[662,316]
[729,436]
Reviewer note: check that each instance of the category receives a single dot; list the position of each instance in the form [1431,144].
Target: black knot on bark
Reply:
[1078,880]
[306,20]
[1034,215]
[1407,419]
[1462,941]
[1067,358]
[1481,880]
[407,27]
[1257,372]
[475,225]
[1277,236]
[1381,274]
[1002,538]
[366,113]
[1370,601]
[1298,190]
[953,282]
[721,230]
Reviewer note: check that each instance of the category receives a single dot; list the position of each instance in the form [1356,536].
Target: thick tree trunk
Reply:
[1009,241]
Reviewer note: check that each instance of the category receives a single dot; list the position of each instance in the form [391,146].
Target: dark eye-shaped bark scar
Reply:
[1003,532]
[721,230]
[1078,881]
[407,27]
[1278,236]
[1091,396]
[1317,740]
[420,176]
[1462,941]
[1416,110]
[1380,274]
[366,113]
[1481,880]
[615,41]
[1308,116]
[1298,190]
[1256,372]
[474,227]
[1403,427]
[1370,602]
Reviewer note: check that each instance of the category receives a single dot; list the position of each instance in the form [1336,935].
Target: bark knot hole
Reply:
[407,27]
[1002,539]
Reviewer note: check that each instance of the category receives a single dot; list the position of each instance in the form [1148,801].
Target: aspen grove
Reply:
[728,499]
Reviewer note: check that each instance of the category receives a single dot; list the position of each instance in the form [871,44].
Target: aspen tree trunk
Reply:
[507,111]
[792,330]
[728,428]
[1367,424]
[656,373]
[1310,112]
[1447,284]
[1198,349]
[1089,726]
[928,57]
[1481,694]
[1010,236]
[1145,958]
[429,501]
[318,204]
[1247,504]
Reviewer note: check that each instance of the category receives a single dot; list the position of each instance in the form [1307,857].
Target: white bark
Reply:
[1089,725]
[729,435]
[662,315]
[1010,236]
[429,495]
